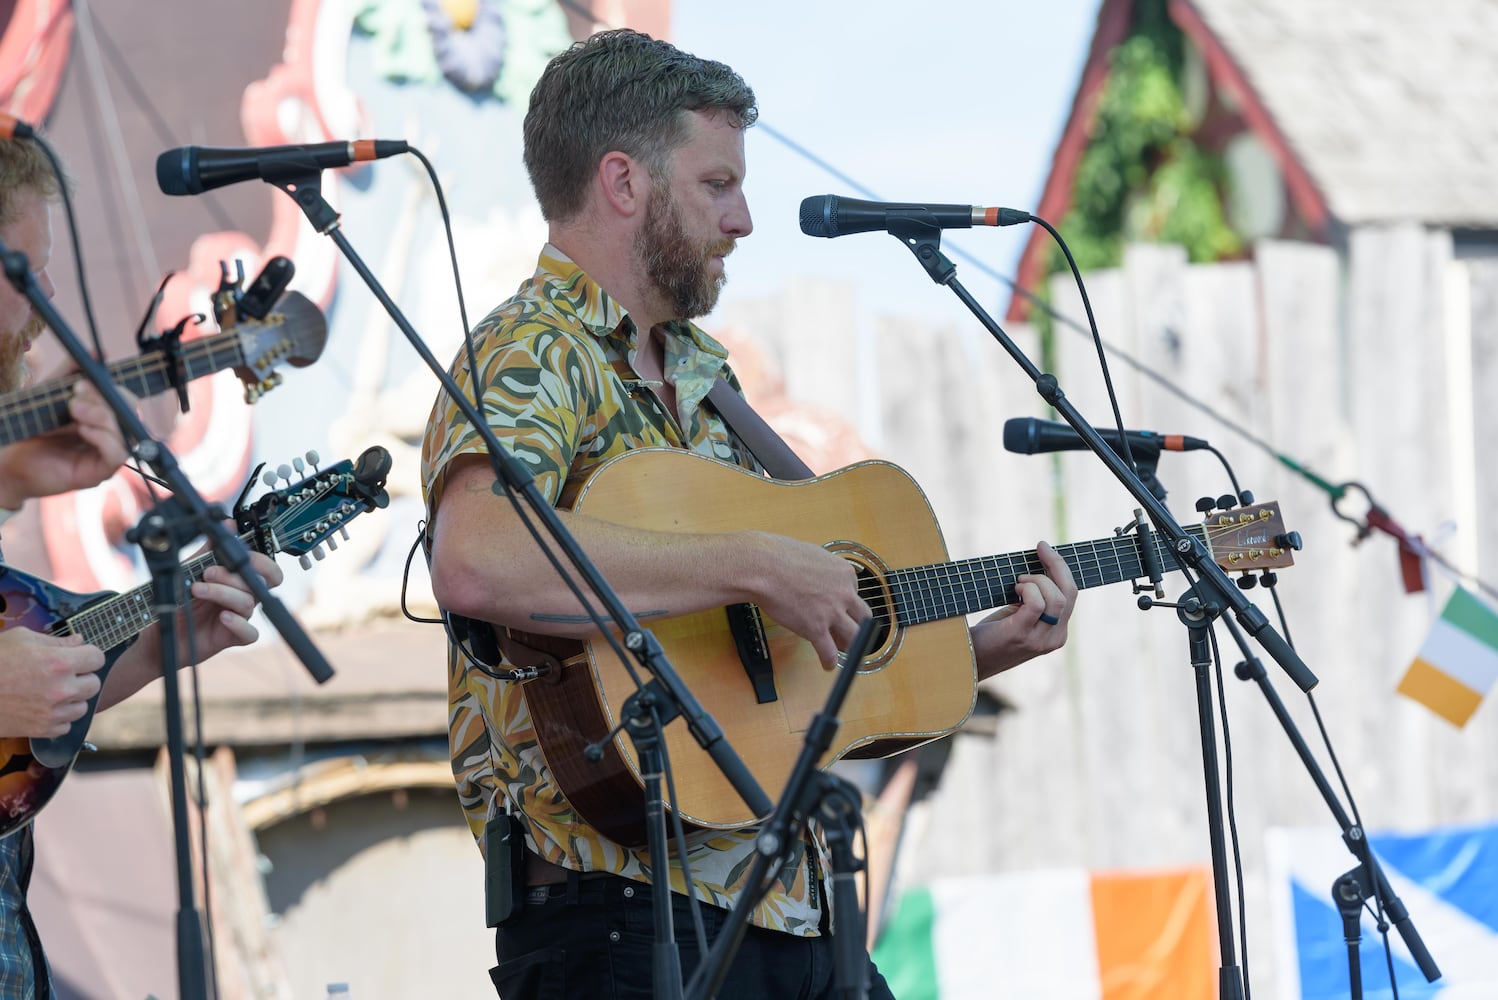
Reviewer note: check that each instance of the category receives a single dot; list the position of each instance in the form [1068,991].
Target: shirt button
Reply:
[629,892]
[614,936]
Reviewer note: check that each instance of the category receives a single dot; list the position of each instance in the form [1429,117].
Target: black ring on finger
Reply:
[1049,618]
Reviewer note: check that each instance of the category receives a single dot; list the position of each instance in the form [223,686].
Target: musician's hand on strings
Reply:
[82,454]
[812,592]
[218,615]
[46,682]
[1034,625]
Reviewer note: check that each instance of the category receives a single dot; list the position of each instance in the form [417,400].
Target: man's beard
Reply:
[13,371]
[674,263]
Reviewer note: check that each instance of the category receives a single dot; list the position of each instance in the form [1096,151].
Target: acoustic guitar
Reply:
[761,682]
[296,519]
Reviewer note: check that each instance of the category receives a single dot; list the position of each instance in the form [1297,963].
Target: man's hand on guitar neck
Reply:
[219,616]
[1032,627]
[75,457]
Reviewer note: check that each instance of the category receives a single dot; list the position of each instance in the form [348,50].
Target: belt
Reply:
[539,871]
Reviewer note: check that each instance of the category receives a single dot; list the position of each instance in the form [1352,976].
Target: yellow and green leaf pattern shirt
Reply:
[552,393]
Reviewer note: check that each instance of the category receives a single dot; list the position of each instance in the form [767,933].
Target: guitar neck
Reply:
[118,619]
[946,590]
[44,407]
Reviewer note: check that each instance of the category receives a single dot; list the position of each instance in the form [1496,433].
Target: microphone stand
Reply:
[923,239]
[666,696]
[1366,879]
[161,533]
[835,802]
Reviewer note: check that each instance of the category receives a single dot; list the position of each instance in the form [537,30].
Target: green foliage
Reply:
[1142,177]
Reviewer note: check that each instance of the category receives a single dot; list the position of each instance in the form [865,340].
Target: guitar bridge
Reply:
[748,628]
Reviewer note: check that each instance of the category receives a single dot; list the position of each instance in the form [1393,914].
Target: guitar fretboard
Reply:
[44,407]
[946,590]
[119,619]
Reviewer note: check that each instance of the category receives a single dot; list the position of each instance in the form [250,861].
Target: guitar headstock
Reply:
[1251,537]
[300,517]
[295,333]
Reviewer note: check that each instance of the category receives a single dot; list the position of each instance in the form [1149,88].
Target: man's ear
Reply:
[625,183]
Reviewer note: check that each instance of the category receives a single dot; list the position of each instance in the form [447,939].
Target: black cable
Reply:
[1231,810]
[67,204]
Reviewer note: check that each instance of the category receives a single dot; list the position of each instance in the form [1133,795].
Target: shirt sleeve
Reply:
[539,383]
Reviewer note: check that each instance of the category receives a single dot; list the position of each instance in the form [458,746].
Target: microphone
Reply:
[195,169]
[828,215]
[1029,436]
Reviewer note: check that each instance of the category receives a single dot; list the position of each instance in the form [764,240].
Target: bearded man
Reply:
[636,153]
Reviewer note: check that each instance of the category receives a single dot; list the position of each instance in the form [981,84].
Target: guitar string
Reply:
[952,586]
[116,627]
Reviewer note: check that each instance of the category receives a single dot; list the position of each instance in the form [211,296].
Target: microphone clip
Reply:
[923,238]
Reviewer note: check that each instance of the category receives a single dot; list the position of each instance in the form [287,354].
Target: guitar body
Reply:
[918,684]
[26,782]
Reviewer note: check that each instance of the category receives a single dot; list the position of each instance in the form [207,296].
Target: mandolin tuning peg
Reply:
[332,543]
[313,458]
[344,533]
[269,479]
[298,465]
[284,471]
[304,561]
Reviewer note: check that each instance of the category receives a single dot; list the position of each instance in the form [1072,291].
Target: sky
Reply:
[957,102]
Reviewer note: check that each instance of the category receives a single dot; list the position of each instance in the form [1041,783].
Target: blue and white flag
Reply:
[1447,879]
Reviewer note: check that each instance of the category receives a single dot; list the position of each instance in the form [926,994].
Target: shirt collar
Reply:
[602,314]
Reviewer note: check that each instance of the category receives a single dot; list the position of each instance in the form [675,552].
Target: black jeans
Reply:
[591,939]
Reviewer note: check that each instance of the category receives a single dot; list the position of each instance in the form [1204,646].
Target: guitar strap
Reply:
[758,436]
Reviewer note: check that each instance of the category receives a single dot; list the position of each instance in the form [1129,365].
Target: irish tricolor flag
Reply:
[1458,662]
[1050,935]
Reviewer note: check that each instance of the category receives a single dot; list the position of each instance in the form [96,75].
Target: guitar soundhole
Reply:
[876,596]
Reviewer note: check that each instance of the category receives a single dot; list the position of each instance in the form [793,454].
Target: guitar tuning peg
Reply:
[1246,497]
[1289,540]
[304,561]
[296,463]
[269,479]
[1227,501]
[318,553]
[1205,505]
[344,533]
[313,458]
[1247,581]
[284,471]
[332,543]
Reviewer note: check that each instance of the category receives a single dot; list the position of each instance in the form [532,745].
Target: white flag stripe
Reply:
[1021,934]
[1459,654]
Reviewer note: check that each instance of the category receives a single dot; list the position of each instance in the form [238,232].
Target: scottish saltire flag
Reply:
[1458,662]
[1054,935]
[1447,879]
